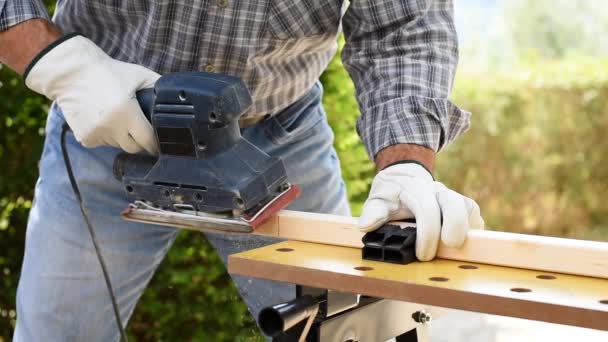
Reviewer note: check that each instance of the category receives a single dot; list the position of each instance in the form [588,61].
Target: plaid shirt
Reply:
[401,54]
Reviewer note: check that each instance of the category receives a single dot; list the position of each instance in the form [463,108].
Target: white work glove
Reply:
[408,191]
[96,93]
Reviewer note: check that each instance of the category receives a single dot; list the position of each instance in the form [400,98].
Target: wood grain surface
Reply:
[578,257]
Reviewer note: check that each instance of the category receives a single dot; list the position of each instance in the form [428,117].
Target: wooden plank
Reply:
[578,257]
[556,298]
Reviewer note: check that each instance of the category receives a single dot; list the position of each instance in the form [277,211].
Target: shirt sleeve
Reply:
[402,56]
[13,12]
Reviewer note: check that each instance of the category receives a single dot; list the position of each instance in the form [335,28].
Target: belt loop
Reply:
[248,122]
[309,95]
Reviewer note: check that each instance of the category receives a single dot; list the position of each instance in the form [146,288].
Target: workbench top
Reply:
[550,297]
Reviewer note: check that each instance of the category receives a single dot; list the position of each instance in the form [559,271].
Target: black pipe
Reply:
[281,317]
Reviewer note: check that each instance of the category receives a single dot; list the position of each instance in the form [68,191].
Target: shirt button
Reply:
[209,68]
[222,3]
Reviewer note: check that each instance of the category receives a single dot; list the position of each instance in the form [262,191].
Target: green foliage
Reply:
[192,298]
[535,157]
[21,127]
[342,111]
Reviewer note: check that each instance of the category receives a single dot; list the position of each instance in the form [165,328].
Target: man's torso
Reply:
[279,48]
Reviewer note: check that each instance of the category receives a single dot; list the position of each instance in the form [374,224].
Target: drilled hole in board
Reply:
[520,289]
[438,279]
[546,277]
[364,268]
[284,249]
[604,301]
[468,267]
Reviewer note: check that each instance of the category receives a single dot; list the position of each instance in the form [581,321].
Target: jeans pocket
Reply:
[298,121]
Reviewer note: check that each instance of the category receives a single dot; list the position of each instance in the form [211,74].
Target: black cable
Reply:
[83,209]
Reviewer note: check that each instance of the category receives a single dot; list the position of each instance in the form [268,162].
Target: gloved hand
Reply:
[95,92]
[407,191]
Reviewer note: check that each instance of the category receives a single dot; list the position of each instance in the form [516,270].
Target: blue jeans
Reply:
[62,295]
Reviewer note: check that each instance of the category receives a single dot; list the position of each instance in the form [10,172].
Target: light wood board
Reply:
[563,299]
[579,257]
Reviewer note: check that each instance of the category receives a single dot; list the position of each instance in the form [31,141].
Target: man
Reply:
[400,54]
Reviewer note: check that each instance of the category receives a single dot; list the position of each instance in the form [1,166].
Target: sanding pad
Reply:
[272,207]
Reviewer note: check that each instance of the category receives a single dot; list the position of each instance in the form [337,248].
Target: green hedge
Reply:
[533,159]
[21,124]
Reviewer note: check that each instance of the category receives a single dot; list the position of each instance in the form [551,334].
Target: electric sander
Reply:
[207,177]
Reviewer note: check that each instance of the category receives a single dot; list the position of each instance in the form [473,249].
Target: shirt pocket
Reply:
[294,19]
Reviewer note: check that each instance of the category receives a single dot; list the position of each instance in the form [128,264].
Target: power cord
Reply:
[83,210]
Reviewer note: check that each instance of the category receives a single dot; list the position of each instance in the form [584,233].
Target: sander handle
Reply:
[146,98]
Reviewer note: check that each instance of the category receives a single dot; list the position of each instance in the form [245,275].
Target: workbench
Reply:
[405,297]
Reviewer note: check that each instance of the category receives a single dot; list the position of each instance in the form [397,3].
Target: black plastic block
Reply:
[390,243]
